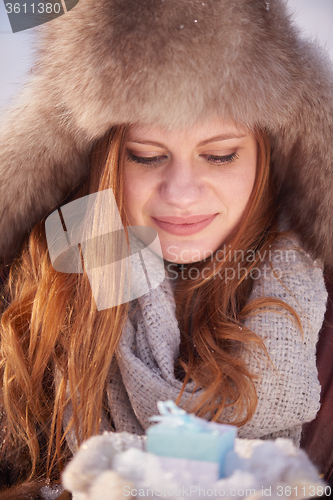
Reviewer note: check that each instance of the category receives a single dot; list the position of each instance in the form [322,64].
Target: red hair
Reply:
[51,325]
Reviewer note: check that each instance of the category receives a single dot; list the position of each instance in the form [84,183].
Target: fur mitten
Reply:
[108,468]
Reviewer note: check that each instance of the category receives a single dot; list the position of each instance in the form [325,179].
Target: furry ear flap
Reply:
[41,160]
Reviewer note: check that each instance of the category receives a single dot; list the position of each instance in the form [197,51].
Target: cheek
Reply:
[235,190]
[243,188]
[131,195]
[247,180]
[137,193]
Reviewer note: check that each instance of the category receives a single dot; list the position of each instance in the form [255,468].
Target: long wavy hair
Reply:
[51,328]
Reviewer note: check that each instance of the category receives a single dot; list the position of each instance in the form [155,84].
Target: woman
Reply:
[186,110]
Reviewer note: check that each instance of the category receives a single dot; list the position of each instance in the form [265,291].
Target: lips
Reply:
[184,226]
[184,220]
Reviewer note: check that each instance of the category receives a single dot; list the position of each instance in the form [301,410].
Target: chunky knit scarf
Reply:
[288,389]
[145,357]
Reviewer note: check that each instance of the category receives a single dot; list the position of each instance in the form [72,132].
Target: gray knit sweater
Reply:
[288,391]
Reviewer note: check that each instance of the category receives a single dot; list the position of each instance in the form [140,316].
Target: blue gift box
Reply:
[182,435]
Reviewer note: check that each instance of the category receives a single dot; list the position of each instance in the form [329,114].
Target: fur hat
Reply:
[170,63]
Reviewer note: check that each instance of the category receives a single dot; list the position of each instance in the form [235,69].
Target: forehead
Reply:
[201,131]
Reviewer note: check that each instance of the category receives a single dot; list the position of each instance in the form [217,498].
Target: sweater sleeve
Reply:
[288,388]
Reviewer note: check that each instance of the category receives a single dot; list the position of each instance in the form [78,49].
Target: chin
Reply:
[184,255]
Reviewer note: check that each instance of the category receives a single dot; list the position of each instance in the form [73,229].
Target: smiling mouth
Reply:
[184,225]
[184,220]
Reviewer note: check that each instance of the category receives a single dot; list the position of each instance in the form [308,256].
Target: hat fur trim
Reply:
[170,63]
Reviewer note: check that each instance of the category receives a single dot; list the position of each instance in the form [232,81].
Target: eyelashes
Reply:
[156,160]
[145,160]
[220,160]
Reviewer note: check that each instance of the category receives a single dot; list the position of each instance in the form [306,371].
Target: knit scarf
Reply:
[143,369]
[145,357]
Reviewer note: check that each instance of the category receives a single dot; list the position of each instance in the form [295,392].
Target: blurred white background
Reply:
[314,16]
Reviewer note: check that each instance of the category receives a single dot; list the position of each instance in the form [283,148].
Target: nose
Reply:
[182,186]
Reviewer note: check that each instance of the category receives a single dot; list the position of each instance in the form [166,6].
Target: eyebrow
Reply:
[149,143]
[223,137]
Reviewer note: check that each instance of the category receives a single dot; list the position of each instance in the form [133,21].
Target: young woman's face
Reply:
[191,185]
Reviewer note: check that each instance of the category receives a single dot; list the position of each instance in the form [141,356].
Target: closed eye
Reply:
[219,160]
[156,160]
[146,160]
